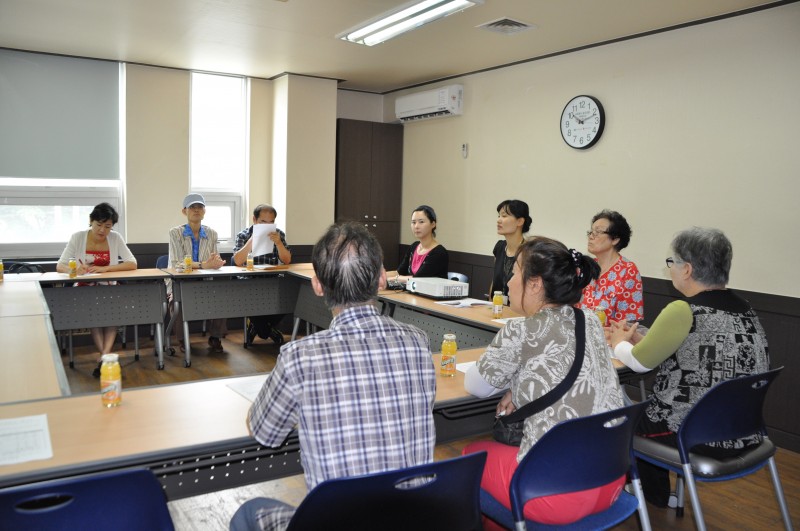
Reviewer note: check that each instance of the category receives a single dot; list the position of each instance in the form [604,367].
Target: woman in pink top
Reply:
[426,257]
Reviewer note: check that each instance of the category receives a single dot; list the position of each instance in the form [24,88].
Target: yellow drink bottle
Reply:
[497,304]
[111,380]
[447,366]
[1,270]
[250,266]
[73,268]
[601,314]
[187,263]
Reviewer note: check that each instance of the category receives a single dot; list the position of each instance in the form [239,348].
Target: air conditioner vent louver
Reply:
[444,101]
[506,26]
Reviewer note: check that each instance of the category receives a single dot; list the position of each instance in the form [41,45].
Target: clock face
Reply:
[582,122]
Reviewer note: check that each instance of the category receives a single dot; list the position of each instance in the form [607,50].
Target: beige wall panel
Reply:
[700,131]
[359,106]
[157,151]
[260,181]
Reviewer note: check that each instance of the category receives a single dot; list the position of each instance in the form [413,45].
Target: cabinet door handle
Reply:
[366,217]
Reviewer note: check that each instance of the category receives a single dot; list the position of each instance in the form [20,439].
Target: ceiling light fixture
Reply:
[403,19]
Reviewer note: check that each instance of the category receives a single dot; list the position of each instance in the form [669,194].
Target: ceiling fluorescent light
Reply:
[406,18]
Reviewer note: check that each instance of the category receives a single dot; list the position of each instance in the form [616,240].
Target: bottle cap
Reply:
[110,358]
[449,337]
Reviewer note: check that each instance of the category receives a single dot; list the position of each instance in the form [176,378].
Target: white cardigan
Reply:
[76,248]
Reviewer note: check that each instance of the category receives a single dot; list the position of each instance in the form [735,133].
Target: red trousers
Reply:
[559,509]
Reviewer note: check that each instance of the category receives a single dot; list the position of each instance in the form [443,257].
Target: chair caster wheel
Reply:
[72,365]
[171,351]
[187,364]
[136,357]
[160,366]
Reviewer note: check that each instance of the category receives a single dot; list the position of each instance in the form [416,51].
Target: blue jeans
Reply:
[262,513]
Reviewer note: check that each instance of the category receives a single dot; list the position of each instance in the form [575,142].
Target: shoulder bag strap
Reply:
[560,390]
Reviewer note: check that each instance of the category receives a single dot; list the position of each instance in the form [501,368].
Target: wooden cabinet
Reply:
[369,173]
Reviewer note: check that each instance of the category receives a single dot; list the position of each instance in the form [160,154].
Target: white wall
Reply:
[359,106]
[701,130]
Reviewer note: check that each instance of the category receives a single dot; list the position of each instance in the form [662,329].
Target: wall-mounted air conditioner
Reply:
[445,101]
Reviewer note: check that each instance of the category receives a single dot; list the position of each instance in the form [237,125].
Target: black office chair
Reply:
[435,496]
[127,500]
[730,410]
[575,455]
[24,267]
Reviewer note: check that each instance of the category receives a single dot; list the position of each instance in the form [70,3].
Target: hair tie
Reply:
[576,259]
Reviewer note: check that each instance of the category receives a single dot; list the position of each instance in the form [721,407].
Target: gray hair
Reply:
[708,250]
[347,261]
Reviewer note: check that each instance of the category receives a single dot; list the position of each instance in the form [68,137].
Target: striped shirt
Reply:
[361,394]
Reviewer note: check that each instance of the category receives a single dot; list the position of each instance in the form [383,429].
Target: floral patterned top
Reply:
[533,355]
[618,292]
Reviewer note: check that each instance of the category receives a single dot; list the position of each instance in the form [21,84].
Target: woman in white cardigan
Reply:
[99,250]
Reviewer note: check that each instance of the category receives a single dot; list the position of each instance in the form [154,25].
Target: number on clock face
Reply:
[582,122]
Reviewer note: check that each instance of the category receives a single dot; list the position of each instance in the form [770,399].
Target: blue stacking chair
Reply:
[435,496]
[575,455]
[127,500]
[730,410]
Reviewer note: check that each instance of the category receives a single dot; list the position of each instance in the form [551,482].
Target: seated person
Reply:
[513,222]
[532,356]
[263,325]
[200,243]
[98,250]
[710,336]
[346,428]
[426,257]
[617,293]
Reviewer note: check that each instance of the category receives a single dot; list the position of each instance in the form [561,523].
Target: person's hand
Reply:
[214,261]
[97,269]
[505,407]
[620,331]
[275,237]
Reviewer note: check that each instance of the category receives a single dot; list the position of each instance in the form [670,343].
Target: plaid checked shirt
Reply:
[361,393]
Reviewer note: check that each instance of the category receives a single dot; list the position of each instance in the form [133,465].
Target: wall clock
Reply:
[582,122]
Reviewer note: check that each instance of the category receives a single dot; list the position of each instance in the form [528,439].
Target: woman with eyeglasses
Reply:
[99,250]
[617,293]
[710,336]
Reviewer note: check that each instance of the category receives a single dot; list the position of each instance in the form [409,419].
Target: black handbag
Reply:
[508,430]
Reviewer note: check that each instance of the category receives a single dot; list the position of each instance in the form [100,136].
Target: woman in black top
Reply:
[513,220]
[426,257]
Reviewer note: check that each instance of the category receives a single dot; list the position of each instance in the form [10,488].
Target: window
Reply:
[219,140]
[60,148]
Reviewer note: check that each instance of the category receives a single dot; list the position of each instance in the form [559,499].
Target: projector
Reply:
[438,288]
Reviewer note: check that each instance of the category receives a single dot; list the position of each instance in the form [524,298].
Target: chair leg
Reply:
[644,516]
[776,483]
[136,342]
[642,389]
[690,484]
[246,344]
[69,346]
[295,328]
[680,493]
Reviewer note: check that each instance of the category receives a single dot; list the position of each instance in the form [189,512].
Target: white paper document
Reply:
[261,242]
[464,367]
[24,439]
[249,387]
[465,303]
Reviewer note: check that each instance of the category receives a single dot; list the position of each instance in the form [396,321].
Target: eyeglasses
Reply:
[595,233]
[671,261]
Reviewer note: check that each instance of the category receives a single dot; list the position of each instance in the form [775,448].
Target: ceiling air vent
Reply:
[506,26]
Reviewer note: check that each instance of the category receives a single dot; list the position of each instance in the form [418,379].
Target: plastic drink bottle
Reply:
[1,269]
[449,348]
[250,262]
[73,268]
[111,380]
[497,304]
[187,263]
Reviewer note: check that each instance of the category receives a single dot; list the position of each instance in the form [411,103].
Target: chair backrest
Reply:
[577,454]
[729,410]
[162,262]
[23,267]
[461,277]
[125,500]
[448,498]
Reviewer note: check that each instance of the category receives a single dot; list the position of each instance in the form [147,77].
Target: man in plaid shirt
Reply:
[360,393]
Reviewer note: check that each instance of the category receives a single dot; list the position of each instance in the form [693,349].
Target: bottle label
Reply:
[111,392]
[448,365]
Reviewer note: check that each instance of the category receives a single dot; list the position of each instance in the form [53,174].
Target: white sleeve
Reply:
[475,385]
[624,353]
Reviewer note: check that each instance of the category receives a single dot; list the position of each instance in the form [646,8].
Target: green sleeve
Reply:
[669,331]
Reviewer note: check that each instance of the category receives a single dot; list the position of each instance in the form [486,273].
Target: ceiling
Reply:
[267,38]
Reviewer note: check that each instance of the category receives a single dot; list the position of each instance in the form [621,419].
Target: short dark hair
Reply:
[268,208]
[518,209]
[564,272]
[708,250]
[347,261]
[104,212]
[429,213]
[617,227]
